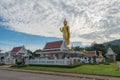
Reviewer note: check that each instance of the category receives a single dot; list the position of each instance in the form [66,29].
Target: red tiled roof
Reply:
[91,53]
[50,50]
[16,49]
[53,45]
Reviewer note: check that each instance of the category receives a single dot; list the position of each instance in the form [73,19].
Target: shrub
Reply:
[94,63]
[18,66]
[109,60]
[59,66]
[19,63]
[1,63]
[106,63]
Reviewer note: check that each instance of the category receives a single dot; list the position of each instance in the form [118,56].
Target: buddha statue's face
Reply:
[65,22]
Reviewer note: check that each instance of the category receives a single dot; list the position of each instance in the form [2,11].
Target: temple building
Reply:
[58,52]
[15,54]
[110,54]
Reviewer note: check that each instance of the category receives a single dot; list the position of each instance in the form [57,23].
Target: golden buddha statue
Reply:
[66,33]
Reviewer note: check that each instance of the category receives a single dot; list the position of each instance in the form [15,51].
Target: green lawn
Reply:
[111,69]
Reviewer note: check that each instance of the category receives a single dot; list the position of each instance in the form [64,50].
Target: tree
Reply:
[99,47]
[77,48]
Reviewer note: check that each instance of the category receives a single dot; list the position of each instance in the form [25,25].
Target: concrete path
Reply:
[87,76]
[6,66]
[13,75]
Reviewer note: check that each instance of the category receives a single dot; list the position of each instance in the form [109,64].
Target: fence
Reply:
[66,61]
[61,61]
[49,61]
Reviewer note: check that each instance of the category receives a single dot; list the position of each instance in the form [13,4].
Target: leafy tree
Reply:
[77,48]
[99,47]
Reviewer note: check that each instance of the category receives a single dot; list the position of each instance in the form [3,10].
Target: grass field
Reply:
[103,69]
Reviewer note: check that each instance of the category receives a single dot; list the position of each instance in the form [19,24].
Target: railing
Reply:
[8,61]
[61,61]
[49,61]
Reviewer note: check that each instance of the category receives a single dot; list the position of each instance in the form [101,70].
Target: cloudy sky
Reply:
[34,22]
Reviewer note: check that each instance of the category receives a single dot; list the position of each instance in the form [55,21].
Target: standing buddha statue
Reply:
[66,33]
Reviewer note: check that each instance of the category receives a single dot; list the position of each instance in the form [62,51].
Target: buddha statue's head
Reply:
[65,22]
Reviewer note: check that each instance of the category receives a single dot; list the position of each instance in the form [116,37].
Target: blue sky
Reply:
[9,39]
[34,22]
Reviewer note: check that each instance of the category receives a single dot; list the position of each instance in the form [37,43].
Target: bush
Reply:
[109,60]
[94,63]
[59,66]
[1,63]
[18,66]
[106,63]
[19,63]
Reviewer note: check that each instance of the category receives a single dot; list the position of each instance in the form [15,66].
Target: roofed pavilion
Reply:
[110,54]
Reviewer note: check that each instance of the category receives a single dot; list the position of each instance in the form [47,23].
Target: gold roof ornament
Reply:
[72,48]
[84,52]
[66,33]
[100,54]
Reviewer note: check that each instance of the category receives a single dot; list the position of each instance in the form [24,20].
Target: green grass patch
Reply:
[102,69]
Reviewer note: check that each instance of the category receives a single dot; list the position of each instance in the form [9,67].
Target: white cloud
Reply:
[89,20]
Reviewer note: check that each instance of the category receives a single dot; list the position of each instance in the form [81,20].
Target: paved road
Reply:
[13,75]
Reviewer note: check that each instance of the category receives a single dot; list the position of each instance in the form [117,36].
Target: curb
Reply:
[88,76]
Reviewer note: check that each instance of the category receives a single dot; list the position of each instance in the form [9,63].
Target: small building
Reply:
[110,54]
[18,52]
[15,54]
[89,56]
